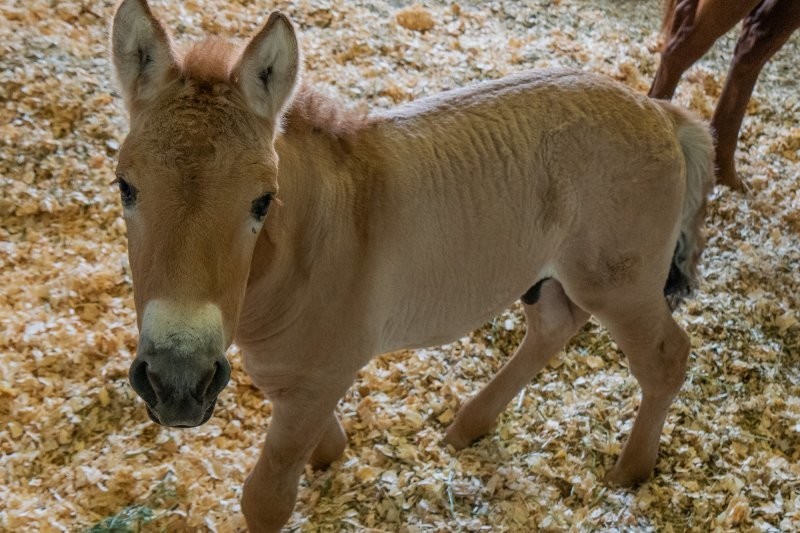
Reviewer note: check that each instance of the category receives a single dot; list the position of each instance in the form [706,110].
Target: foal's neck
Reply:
[330,167]
[355,195]
[319,227]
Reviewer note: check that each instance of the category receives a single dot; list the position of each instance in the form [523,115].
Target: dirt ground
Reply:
[78,450]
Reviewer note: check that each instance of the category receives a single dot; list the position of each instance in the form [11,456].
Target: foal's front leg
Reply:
[300,420]
[331,444]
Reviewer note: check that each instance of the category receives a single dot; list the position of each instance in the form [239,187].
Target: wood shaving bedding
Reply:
[77,450]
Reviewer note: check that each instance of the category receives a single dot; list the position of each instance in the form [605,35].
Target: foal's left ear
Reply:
[267,70]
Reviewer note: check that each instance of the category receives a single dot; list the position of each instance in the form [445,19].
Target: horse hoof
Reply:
[734,184]
[622,478]
[727,176]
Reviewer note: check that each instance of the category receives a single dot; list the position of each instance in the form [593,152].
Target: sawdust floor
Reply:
[79,451]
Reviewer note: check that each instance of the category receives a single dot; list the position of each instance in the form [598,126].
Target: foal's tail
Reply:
[697,146]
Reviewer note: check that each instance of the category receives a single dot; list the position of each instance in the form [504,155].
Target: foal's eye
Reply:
[259,206]
[127,192]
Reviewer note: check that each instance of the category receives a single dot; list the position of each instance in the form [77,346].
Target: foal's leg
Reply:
[764,32]
[551,322]
[695,27]
[331,444]
[657,350]
[300,417]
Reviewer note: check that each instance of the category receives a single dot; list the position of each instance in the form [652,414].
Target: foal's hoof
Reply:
[458,437]
[320,464]
[326,454]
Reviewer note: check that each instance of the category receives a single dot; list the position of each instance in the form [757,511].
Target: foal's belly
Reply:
[446,306]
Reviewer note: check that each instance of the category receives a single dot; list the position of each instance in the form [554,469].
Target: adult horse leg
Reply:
[657,350]
[764,32]
[552,320]
[696,25]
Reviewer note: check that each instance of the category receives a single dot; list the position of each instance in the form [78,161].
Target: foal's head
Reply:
[196,175]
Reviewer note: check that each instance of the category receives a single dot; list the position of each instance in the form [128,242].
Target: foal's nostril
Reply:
[222,374]
[179,392]
[140,382]
[205,383]
[214,380]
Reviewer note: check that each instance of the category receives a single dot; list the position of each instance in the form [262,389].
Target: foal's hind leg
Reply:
[657,350]
[551,322]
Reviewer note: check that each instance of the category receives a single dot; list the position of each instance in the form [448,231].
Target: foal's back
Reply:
[546,143]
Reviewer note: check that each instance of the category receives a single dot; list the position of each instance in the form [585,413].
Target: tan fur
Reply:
[313,112]
[409,228]
[210,60]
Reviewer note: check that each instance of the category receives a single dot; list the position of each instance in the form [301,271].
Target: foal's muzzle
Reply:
[179,390]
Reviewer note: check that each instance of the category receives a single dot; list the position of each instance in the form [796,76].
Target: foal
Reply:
[402,230]
[692,26]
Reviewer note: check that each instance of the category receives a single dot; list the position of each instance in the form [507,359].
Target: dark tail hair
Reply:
[697,146]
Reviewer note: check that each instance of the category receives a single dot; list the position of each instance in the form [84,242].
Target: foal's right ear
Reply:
[267,70]
[140,49]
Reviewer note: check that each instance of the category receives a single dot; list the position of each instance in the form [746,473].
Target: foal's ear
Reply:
[140,49]
[267,70]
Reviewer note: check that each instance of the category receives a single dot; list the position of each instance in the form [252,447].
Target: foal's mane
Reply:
[212,61]
[314,112]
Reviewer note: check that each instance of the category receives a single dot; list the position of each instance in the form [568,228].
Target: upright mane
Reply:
[210,60]
[314,112]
